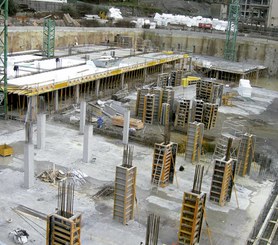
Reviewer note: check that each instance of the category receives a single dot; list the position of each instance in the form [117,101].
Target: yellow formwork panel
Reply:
[186,81]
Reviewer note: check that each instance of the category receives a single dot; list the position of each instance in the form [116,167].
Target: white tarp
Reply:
[115,14]
[165,19]
[244,88]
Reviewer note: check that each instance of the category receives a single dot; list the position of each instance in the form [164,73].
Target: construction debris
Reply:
[20,236]
[106,191]
[53,176]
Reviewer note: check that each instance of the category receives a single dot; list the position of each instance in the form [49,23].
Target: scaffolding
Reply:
[3,57]
[231,33]
[48,38]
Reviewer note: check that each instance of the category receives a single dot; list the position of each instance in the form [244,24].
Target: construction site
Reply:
[133,136]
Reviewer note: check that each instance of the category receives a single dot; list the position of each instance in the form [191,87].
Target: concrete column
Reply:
[97,87]
[28,165]
[145,75]
[87,142]
[77,94]
[217,74]
[122,80]
[257,75]
[56,101]
[190,63]
[126,127]
[41,131]
[82,116]
[34,107]
[182,63]
[174,64]
[162,68]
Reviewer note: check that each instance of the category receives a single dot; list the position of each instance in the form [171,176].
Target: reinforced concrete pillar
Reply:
[34,107]
[41,131]
[126,127]
[77,93]
[28,165]
[162,68]
[97,87]
[122,80]
[82,116]
[145,75]
[190,63]
[56,101]
[87,141]
[257,75]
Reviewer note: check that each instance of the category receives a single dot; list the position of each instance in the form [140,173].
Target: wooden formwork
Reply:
[148,110]
[194,142]
[175,78]
[191,218]
[197,111]
[163,79]
[158,93]
[63,231]
[210,115]
[222,181]
[245,154]
[182,114]
[140,101]
[164,157]
[124,193]
[209,91]
[168,96]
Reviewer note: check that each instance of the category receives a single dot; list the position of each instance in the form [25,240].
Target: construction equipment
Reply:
[102,15]
[3,60]
[6,150]
[48,38]
[231,33]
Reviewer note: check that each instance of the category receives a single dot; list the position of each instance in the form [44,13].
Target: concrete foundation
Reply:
[28,165]
[82,117]
[126,127]
[41,120]
[87,142]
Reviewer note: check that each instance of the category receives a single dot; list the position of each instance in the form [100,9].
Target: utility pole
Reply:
[3,58]
[231,33]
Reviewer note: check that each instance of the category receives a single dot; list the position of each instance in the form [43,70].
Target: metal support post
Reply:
[48,38]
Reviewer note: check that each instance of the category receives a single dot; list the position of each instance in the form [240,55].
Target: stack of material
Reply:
[210,115]
[245,154]
[133,123]
[182,113]
[244,88]
[175,78]
[209,91]
[164,159]
[195,134]
[222,181]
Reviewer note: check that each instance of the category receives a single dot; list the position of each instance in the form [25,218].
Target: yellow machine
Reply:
[102,15]
[190,80]
[6,150]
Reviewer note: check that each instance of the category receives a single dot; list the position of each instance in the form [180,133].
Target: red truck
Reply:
[205,26]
